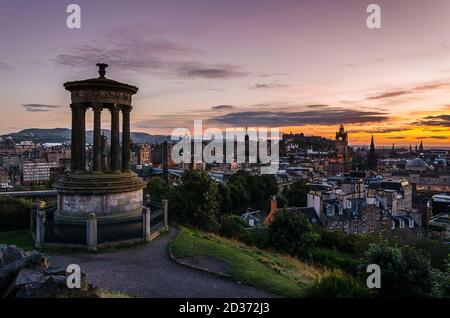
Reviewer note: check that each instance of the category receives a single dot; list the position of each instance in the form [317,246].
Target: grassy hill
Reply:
[275,273]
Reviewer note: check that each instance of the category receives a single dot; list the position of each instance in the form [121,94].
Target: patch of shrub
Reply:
[232,226]
[14,214]
[291,232]
[258,237]
[334,259]
[337,286]
[440,283]
[354,244]
[405,271]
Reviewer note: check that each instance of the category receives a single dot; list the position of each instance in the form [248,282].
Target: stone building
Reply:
[37,172]
[352,208]
[143,154]
[341,161]
[426,179]
[157,153]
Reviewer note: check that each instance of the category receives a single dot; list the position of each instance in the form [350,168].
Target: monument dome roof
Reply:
[100,83]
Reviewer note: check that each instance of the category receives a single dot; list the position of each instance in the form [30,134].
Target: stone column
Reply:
[74,139]
[115,145]
[91,231]
[126,138]
[78,145]
[97,151]
[82,131]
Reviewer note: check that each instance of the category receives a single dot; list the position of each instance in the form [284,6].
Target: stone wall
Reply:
[108,204]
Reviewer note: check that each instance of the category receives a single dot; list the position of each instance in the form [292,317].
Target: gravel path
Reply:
[147,271]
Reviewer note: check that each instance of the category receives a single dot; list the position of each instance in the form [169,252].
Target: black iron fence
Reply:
[157,219]
[64,231]
[120,229]
[45,228]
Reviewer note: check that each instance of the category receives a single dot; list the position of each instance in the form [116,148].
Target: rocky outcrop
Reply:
[28,275]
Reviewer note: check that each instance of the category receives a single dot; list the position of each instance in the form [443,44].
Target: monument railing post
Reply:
[146,212]
[40,229]
[91,232]
[33,216]
[166,213]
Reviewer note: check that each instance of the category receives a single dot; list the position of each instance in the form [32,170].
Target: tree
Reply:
[404,271]
[247,190]
[224,198]
[157,189]
[292,233]
[296,194]
[195,202]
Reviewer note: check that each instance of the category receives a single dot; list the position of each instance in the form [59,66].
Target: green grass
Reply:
[334,259]
[275,273]
[20,238]
[115,294]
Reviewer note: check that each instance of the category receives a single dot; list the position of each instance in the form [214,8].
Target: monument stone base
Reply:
[107,195]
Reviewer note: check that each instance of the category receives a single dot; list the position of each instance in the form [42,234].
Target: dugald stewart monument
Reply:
[109,190]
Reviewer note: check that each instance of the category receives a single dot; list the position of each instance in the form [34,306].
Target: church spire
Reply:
[372,159]
[372,144]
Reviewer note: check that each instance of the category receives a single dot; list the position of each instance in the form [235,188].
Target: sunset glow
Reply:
[303,66]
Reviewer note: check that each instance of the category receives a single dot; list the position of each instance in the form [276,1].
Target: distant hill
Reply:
[63,135]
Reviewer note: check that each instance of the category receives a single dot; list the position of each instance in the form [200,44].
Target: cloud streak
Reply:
[128,51]
[440,120]
[40,107]
[267,86]
[440,137]
[5,66]
[223,107]
[332,116]
[417,89]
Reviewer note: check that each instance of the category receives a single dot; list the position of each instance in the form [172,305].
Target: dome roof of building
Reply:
[416,163]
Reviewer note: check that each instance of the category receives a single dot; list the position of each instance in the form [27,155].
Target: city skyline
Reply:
[303,66]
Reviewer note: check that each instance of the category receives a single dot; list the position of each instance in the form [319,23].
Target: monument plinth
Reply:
[106,191]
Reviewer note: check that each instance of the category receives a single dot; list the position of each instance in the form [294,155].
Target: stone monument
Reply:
[109,192]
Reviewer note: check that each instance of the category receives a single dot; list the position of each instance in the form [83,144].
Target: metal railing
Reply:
[156,220]
[157,217]
[120,229]
[64,231]
[91,231]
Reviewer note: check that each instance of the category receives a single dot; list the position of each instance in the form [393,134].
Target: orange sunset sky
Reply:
[303,66]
